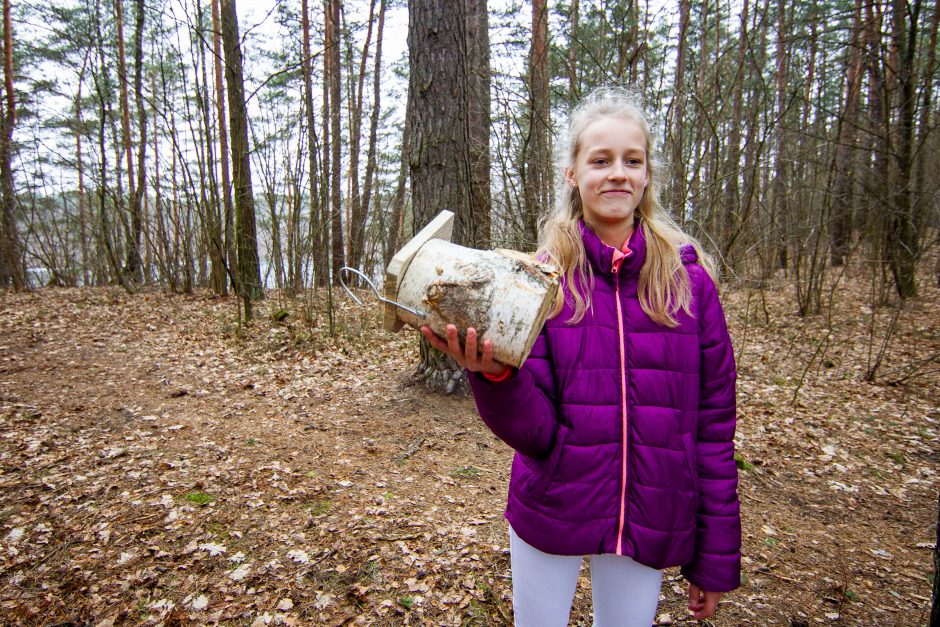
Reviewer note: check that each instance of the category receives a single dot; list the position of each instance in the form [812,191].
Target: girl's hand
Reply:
[702,604]
[466,357]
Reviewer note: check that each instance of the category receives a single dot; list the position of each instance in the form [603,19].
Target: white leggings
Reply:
[624,593]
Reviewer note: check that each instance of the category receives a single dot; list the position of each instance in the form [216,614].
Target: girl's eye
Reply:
[599,162]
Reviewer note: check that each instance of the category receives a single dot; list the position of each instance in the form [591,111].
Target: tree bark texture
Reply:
[333,78]
[439,155]
[676,138]
[11,262]
[359,211]
[317,227]
[140,190]
[843,186]
[371,157]
[132,261]
[903,241]
[538,171]
[478,94]
[227,209]
[249,276]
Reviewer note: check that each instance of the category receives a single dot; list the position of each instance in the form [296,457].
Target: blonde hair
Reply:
[664,287]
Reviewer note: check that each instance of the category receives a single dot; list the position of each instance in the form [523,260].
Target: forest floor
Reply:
[160,463]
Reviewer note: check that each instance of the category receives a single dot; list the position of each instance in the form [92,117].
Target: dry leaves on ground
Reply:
[161,464]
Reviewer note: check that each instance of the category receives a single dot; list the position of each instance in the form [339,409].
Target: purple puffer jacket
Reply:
[665,396]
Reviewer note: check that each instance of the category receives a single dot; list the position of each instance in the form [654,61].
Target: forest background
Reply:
[182,148]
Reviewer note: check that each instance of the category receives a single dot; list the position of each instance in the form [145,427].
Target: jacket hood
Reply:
[687,254]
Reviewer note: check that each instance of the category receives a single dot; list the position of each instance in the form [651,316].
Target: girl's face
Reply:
[610,172]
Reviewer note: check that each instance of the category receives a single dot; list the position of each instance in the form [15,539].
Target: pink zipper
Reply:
[623,416]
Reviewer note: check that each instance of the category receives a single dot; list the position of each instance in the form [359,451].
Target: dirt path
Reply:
[156,465]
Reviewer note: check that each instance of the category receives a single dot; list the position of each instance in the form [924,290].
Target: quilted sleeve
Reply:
[716,566]
[521,410]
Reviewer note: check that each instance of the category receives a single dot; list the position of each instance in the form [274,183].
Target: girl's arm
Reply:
[717,563]
[519,410]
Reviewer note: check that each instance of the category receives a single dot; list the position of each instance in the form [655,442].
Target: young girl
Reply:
[623,416]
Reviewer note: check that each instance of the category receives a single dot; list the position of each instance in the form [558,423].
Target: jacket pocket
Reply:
[543,470]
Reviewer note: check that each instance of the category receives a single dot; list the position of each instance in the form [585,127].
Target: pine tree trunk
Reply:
[132,262]
[249,276]
[336,197]
[137,211]
[358,209]
[80,172]
[209,185]
[229,215]
[478,93]
[844,184]
[538,179]
[371,158]
[574,90]
[731,205]
[903,241]
[438,118]
[11,263]
[316,224]
[676,140]
[777,245]
[325,161]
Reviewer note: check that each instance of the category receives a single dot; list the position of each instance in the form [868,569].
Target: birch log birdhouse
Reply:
[505,295]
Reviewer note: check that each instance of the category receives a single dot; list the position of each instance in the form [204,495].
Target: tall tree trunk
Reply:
[214,238]
[777,245]
[11,263]
[103,93]
[336,196]
[846,134]
[249,276]
[879,180]
[371,158]
[229,214]
[439,152]
[574,43]
[927,182]
[676,138]
[141,184]
[162,245]
[732,197]
[538,179]
[478,93]
[132,262]
[80,171]
[358,213]
[903,243]
[317,227]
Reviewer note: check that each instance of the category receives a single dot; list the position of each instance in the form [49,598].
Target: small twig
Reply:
[784,577]
[413,536]
[914,368]
[411,450]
